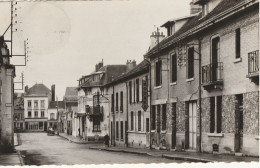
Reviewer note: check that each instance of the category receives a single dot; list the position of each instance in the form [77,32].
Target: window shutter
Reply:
[140,89]
[133,92]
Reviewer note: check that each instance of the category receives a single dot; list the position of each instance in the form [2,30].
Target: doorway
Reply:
[192,125]
[174,125]
[239,123]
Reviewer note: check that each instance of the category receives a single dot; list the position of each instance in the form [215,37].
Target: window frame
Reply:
[238,43]
[139,121]
[174,69]
[122,130]
[96,125]
[190,61]
[158,73]
[216,114]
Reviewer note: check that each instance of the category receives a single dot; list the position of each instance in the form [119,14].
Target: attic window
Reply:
[205,9]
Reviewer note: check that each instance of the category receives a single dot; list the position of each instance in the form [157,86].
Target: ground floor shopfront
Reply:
[36,125]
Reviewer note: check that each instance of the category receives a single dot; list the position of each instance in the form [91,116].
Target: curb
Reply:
[78,142]
[20,158]
[191,159]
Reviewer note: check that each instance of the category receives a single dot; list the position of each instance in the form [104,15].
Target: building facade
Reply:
[55,108]
[204,81]
[18,112]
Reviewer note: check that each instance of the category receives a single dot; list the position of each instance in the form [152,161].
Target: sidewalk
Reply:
[77,140]
[186,156]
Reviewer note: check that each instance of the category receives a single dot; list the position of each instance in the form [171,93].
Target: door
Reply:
[192,125]
[45,126]
[214,58]
[174,126]
[239,124]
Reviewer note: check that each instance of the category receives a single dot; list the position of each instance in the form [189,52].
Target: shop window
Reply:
[96,125]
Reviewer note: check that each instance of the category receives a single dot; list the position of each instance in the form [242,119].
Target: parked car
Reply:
[50,131]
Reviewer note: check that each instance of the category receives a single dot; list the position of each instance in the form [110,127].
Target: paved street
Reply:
[40,149]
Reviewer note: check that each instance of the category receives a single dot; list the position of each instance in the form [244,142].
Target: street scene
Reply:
[114,82]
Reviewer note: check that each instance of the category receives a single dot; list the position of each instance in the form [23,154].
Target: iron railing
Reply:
[253,62]
[212,73]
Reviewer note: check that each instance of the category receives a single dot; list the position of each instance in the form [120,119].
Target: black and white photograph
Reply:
[129,82]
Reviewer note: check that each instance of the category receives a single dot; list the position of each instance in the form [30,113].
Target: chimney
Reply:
[52,92]
[154,38]
[194,8]
[26,89]
[99,65]
[130,65]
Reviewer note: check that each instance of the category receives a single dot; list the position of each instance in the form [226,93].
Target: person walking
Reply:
[106,140]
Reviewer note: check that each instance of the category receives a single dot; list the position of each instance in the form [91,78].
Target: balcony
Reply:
[212,76]
[253,66]
[94,112]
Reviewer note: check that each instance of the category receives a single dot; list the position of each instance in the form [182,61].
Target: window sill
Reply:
[164,131]
[190,79]
[238,60]
[153,130]
[215,134]
[121,111]
[173,83]
[158,87]
[96,130]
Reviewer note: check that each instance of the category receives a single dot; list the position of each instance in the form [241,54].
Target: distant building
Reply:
[18,112]
[54,109]
[36,104]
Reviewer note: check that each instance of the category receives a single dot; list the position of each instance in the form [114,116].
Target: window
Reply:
[116,101]
[35,103]
[158,73]
[96,125]
[36,114]
[132,120]
[122,129]
[121,101]
[117,136]
[29,114]
[215,114]
[52,116]
[147,125]
[153,118]
[190,66]
[42,113]
[205,9]
[238,54]
[137,90]
[164,117]
[173,68]
[134,100]
[112,103]
[29,103]
[42,104]
[130,92]
[139,120]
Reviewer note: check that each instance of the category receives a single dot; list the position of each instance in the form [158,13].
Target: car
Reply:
[50,131]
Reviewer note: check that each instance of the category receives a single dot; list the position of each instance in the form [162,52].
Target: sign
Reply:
[145,94]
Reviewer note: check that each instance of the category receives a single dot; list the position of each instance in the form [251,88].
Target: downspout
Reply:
[126,126]
[113,127]
[200,140]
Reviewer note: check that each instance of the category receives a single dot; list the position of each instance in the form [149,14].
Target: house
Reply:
[55,108]
[71,107]
[204,81]
[7,75]
[36,104]
[93,101]
[130,115]
[18,112]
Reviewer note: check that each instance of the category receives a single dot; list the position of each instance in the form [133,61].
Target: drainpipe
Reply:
[126,126]
[200,140]
[113,127]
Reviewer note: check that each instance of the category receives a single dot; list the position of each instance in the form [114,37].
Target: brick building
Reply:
[221,115]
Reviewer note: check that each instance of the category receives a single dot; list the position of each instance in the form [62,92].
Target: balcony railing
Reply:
[253,63]
[212,73]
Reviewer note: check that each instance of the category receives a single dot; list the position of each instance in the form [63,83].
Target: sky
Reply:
[66,39]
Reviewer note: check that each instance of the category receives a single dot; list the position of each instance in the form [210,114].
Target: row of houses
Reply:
[197,88]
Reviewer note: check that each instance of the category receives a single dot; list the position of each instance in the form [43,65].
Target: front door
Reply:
[192,125]
[239,124]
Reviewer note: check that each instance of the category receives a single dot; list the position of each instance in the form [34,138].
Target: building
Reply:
[93,101]
[54,109]
[36,104]
[216,111]
[7,74]
[18,112]
[71,107]
[130,115]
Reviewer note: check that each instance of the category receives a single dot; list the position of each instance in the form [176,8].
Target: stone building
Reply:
[7,74]
[93,101]
[18,112]
[55,108]
[36,104]
[216,111]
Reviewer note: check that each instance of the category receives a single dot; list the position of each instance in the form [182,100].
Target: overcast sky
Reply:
[67,39]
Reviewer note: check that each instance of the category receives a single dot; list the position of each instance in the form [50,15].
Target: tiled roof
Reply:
[38,90]
[197,23]
[141,67]
[53,104]
[71,94]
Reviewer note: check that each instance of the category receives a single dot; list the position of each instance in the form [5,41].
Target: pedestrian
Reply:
[106,140]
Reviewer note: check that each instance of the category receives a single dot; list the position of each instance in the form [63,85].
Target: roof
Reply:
[38,90]
[137,70]
[71,94]
[53,104]
[178,19]
[199,23]
[110,72]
